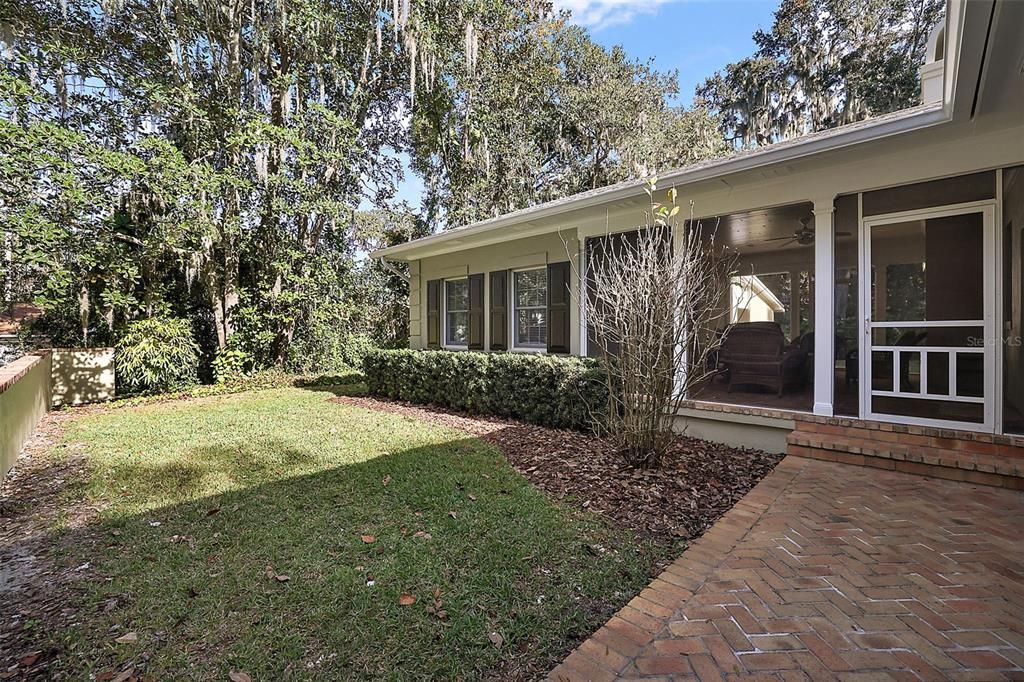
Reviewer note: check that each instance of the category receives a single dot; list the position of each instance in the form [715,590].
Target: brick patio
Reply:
[832,571]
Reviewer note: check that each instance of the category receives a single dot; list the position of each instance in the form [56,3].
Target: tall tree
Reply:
[822,64]
[286,107]
[534,109]
[210,158]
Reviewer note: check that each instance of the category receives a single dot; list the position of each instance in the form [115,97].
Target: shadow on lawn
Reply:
[202,581]
[358,388]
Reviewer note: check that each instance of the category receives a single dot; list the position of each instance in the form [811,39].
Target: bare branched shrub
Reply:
[657,298]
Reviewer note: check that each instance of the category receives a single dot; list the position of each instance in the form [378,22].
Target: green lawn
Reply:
[200,497]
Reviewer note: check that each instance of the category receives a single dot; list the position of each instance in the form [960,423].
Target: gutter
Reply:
[390,267]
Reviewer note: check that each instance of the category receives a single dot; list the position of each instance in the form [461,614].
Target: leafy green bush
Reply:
[564,392]
[317,350]
[230,364]
[156,355]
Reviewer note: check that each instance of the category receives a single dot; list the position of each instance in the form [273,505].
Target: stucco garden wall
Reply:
[33,384]
[82,375]
[24,399]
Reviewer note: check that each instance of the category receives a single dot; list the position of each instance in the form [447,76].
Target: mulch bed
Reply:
[693,488]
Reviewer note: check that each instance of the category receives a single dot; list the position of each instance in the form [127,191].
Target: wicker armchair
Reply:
[755,354]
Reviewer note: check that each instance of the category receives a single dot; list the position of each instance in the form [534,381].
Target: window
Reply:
[530,308]
[456,312]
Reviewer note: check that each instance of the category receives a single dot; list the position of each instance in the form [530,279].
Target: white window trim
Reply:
[513,346]
[444,314]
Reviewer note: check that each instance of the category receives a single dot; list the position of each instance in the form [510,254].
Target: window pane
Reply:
[928,269]
[532,327]
[457,328]
[531,308]
[457,293]
[532,288]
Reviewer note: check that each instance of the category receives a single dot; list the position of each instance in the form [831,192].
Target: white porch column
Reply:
[824,306]
[581,291]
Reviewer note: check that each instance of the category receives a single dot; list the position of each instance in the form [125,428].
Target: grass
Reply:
[199,497]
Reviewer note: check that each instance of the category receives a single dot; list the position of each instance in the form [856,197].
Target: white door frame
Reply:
[988,324]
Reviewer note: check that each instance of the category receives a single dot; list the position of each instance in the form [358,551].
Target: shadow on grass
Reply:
[341,388]
[283,579]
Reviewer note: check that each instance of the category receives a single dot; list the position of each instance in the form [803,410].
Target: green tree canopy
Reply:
[823,63]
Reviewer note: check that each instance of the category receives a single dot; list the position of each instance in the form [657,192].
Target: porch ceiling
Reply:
[762,230]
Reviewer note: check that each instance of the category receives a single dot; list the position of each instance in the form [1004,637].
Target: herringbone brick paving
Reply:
[831,571]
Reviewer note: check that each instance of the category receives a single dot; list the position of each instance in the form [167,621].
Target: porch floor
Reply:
[832,571]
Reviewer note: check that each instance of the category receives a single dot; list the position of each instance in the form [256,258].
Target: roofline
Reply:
[957,90]
[912,119]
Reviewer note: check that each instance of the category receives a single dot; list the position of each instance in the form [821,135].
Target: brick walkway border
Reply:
[838,582]
[637,624]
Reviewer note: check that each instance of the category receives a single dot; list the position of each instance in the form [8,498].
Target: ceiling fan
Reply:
[804,235]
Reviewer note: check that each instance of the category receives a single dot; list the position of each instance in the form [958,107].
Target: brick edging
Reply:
[610,650]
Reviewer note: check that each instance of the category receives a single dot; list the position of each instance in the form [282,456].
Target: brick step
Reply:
[960,456]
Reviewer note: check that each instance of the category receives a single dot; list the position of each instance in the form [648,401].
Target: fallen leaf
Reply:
[211,512]
[269,571]
[473,497]
[387,479]
[423,534]
[239,676]
[406,599]
[368,539]
[127,638]
[30,659]
[496,639]
[105,676]
[281,578]
[124,675]
[154,524]
[453,515]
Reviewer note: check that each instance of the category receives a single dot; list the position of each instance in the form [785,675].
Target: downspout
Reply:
[390,267]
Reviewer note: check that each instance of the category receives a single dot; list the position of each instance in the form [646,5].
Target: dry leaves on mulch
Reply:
[35,592]
[695,486]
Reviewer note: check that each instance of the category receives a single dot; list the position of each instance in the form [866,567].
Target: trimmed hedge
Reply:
[558,391]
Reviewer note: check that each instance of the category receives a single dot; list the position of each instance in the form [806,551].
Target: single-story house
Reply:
[889,250]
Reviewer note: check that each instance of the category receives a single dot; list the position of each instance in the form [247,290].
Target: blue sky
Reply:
[695,37]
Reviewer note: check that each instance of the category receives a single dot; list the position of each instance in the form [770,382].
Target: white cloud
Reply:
[599,14]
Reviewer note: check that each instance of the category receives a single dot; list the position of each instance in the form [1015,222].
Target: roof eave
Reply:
[914,119]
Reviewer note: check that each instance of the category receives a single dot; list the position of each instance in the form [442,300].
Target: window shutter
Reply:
[499,310]
[559,307]
[476,312]
[434,313]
